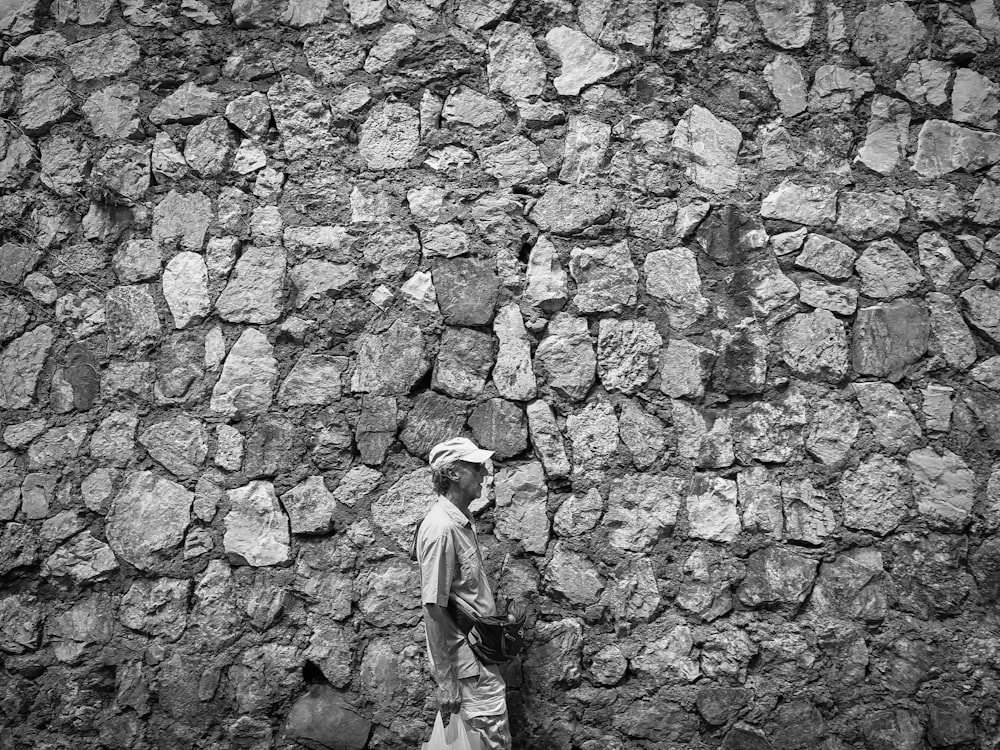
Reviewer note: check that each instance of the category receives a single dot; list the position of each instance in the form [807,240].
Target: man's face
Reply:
[468,477]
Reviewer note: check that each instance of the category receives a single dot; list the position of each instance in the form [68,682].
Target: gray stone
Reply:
[741,364]
[710,145]
[565,358]
[463,362]
[876,496]
[189,104]
[512,373]
[390,136]
[45,101]
[787,23]
[642,509]
[466,106]
[988,23]
[950,722]
[582,61]
[777,578]
[318,278]
[271,447]
[167,161]
[851,587]
[593,434]
[180,221]
[256,288]
[13,318]
[573,578]
[567,209]
[366,14]
[124,172]
[391,45]
[246,386]
[736,27]
[323,718]
[393,253]
[943,485]
[986,201]
[434,418]
[937,407]
[185,288]
[606,279]
[398,510]
[810,205]
[499,426]
[229,447]
[787,83]
[546,439]
[520,506]
[516,67]
[578,515]
[893,729]
[64,164]
[547,287]
[886,271]
[156,607]
[256,527]
[81,560]
[18,435]
[684,367]
[938,261]
[210,147]
[390,363]
[833,429]
[759,496]
[310,507]
[179,444]
[814,345]
[770,431]
[147,520]
[718,706]
[478,14]
[685,26]
[981,307]
[944,147]
[893,422]
[672,276]
[21,363]
[88,624]
[888,135]
[301,117]
[626,354]
[706,589]
[131,316]
[17,18]
[808,516]
[36,492]
[642,433]
[841,300]
[838,90]
[114,439]
[444,240]
[951,336]
[925,82]
[867,216]
[672,654]
[466,290]
[888,338]
[703,437]
[104,56]
[887,33]
[315,379]
[959,41]
[250,113]
[584,149]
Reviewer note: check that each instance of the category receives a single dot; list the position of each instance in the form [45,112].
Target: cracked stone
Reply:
[886,271]
[390,363]
[606,279]
[433,418]
[189,104]
[787,83]
[547,439]
[711,146]
[567,209]
[815,345]
[513,375]
[582,61]
[105,56]
[626,354]
[943,485]
[300,115]
[147,520]
[255,290]
[516,67]
[185,289]
[565,358]
[893,423]
[944,147]
[179,444]
[810,205]
[642,508]
[876,496]
[246,386]
[887,33]
[672,276]
[257,531]
[888,135]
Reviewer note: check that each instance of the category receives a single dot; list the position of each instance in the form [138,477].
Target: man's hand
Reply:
[449,697]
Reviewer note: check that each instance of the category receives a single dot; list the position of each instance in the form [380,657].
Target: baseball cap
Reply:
[457,449]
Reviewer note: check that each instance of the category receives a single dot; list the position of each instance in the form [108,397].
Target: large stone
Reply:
[567,209]
[393,253]
[886,34]
[950,722]
[838,90]
[390,136]
[399,509]
[809,518]
[982,310]
[391,45]
[888,135]
[814,345]
[944,147]
[512,373]
[514,162]
[685,26]
[711,507]
[104,56]
[593,434]
[893,729]
[270,447]
[466,106]
[179,444]
[466,291]
[787,83]
[390,363]
[943,485]
[707,587]
[546,439]
[255,291]
[578,515]
[684,366]
[323,718]
[123,172]
[314,380]
[246,386]
[21,363]
[499,426]
[925,82]
[573,578]
[86,625]
[156,607]
[867,216]
[310,507]
[516,67]
[147,520]
[893,422]
[18,17]
[975,99]
[45,101]
[188,104]
[841,300]
[761,508]
[787,23]
[520,514]
[376,429]
[886,271]
[83,559]
[876,496]
[584,150]
[463,362]
[606,279]
[951,336]
[851,587]
[113,440]
[627,353]
[703,436]
[777,578]
[810,205]
[63,164]
[887,339]
[303,120]
[833,429]
[710,146]
[642,508]
[185,288]
[582,61]
[565,358]
[938,260]
[433,419]
[131,316]
[256,527]
[210,147]
[672,276]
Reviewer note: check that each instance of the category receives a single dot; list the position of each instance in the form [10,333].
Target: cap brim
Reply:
[478,456]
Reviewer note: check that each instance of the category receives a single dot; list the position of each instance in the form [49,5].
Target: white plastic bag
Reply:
[456,736]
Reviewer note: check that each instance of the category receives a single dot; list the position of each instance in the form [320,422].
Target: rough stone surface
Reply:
[626,354]
[512,372]
[256,527]
[315,379]
[876,495]
[582,61]
[943,485]
[565,358]
[179,444]
[246,386]
[605,278]
[672,276]
[390,363]
[889,338]
[787,23]
[886,271]
[147,520]
[520,498]
[642,510]
[565,209]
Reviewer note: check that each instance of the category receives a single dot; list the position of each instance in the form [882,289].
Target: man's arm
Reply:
[440,626]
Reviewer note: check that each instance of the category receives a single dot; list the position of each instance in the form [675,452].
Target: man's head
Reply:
[458,467]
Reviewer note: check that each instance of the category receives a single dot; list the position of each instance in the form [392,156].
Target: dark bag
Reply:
[494,640]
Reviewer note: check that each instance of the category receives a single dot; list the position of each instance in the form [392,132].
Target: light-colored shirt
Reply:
[451,567]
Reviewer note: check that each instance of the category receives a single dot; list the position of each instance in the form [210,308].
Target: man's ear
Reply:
[451,472]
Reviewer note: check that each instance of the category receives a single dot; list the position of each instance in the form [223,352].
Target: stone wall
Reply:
[717,281]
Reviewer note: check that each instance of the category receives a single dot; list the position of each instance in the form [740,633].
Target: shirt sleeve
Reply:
[436,556]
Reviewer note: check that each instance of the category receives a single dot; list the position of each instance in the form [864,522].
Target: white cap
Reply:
[457,449]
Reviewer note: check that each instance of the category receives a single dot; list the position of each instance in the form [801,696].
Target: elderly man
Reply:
[451,569]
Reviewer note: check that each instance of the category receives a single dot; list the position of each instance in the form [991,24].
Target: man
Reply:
[451,568]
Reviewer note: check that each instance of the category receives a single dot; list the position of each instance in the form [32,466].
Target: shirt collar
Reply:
[453,512]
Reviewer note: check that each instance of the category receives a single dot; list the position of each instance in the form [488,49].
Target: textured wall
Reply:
[717,282]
